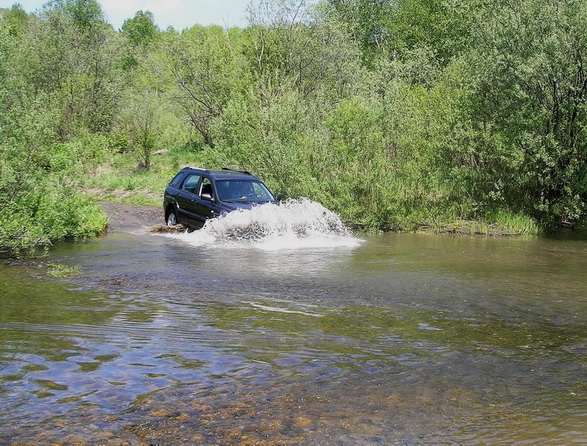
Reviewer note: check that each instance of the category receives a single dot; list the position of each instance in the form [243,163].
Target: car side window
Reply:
[177,180]
[206,188]
[191,184]
[259,191]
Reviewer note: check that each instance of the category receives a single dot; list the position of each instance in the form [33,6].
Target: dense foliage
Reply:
[394,113]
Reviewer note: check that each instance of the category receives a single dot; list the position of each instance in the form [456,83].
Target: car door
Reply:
[196,202]
[205,201]
[187,201]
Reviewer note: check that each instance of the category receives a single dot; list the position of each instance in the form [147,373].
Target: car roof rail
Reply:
[194,168]
[246,172]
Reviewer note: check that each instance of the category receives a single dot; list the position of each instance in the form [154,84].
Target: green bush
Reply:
[46,214]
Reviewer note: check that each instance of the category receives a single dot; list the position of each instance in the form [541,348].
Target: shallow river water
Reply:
[328,339]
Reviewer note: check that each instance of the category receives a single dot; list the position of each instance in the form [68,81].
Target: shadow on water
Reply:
[390,339]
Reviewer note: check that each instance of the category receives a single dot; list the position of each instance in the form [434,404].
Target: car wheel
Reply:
[171,218]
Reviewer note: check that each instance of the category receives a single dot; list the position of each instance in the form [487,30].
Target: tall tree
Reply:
[67,52]
[14,19]
[529,96]
[84,13]
[139,33]
[141,30]
[205,65]
[291,42]
[392,28]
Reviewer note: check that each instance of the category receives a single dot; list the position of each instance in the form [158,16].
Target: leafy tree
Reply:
[367,23]
[39,202]
[393,28]
[289,41]
[72,60]
[141,30]
[84,13]
[205,64]
[14,19]
[139,33]
[528,103]
[141,124]
[40,158]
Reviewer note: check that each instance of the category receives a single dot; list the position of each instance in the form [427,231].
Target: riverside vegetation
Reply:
[398,115]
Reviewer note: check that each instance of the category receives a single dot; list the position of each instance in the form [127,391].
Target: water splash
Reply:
[293,224]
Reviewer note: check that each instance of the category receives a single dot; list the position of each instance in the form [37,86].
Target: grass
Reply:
[121,181]
[502,224]
[62,271]
[514,224]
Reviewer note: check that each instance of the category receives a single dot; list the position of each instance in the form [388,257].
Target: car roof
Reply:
[224,173]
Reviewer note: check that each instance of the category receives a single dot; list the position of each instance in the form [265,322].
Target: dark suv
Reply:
[195,195]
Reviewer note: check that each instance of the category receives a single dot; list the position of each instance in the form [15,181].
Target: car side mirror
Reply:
[206,196]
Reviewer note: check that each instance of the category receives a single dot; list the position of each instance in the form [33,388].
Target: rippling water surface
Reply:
[308,335]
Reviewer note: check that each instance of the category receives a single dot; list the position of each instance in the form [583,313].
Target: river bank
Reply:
[129,217]
[126,217]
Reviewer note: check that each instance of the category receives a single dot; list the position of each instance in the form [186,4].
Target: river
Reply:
[320,337]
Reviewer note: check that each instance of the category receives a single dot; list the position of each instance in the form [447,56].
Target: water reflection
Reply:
[405,338]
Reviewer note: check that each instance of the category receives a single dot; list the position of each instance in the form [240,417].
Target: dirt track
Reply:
[124,217]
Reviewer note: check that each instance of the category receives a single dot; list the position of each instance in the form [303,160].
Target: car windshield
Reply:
[243,190]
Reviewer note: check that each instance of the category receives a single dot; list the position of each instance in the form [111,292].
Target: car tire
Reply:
[171,219]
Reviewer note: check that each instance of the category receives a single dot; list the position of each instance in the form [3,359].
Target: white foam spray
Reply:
[293,224]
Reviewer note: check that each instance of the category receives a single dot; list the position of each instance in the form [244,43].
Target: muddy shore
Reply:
[124,217]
